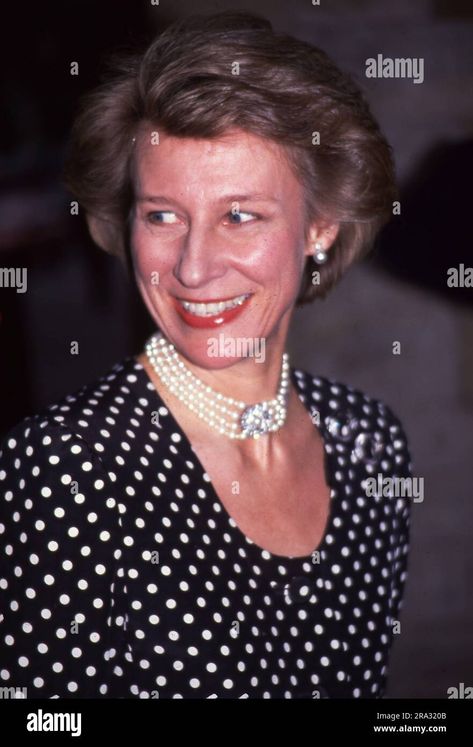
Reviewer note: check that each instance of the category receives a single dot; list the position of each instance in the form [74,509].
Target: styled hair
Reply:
[208,74]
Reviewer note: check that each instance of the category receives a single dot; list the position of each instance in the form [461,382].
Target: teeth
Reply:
[210,309]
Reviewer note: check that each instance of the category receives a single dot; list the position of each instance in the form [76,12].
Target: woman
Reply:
[196,522]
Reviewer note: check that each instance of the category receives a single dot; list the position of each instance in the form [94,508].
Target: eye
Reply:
[160,216]
[236,217]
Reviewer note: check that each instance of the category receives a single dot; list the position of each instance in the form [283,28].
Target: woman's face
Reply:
[215,220]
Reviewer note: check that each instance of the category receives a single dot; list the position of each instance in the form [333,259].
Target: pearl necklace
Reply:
[230,417]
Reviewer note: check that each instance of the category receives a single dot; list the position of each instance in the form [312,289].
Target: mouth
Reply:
[211,308]
[211,313]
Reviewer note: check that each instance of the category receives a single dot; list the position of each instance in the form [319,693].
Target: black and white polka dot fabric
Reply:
[122,574]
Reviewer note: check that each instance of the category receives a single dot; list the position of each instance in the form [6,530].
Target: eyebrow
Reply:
[224,198]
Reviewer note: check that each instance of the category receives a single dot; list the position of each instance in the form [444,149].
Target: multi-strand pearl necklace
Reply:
[229,416]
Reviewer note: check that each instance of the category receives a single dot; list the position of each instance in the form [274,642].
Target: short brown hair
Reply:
[285,90]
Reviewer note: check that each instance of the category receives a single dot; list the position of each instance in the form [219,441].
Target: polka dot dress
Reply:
[122,574]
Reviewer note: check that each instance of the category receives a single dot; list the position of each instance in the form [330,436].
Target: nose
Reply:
[202,258]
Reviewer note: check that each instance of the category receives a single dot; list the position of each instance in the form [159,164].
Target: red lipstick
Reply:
[209,322]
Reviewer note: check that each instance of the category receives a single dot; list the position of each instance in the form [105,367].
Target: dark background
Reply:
[76,292]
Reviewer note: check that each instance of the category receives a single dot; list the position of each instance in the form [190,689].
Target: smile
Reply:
[211,313]
[212,308]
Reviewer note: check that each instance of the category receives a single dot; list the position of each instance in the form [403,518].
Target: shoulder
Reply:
[354,418]
[52,459]
[368,448]
[336,397]
[55,491]
[59,512]
[82,413]
[89,442]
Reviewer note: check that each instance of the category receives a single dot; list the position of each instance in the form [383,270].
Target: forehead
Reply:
[238,159]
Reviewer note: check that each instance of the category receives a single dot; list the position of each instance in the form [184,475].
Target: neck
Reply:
[260,451]
[246,382]
[248,379]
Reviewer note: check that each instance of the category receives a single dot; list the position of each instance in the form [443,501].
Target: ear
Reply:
[322,233]
[104,233]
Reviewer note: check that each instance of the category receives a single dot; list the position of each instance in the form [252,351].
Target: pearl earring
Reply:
[319,256]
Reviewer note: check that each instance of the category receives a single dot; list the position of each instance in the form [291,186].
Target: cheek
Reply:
[280,258]
[139,248]
[146,258]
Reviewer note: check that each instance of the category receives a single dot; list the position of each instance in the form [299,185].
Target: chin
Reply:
[215,341]
[214,349]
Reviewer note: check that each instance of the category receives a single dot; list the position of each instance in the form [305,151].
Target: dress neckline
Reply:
[299,379]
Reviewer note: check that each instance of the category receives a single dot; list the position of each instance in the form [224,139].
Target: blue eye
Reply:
[166,213]
[167,217]
[236,216]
